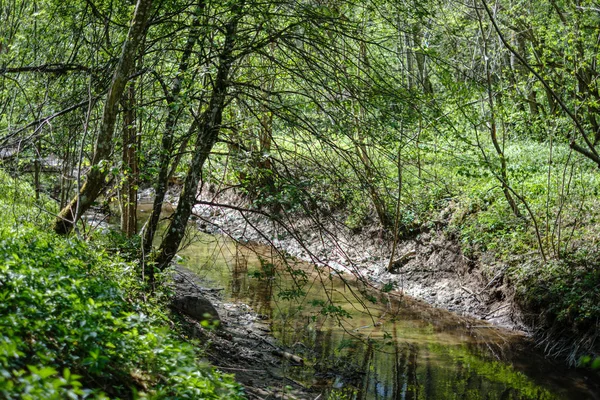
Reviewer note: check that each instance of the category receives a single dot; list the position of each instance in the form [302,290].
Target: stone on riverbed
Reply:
[196,307]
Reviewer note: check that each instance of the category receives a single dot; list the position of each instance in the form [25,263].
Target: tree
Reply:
[129,166]
[579,104]
[209,126]
[286,37]
[96,177]
[175,108]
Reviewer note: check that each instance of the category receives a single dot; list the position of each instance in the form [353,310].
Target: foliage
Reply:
[566,292]
[73,327]
[396,116]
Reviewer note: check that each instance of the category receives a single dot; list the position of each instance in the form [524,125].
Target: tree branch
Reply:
[47,68]
[580,128]
[585,152]
[44,120]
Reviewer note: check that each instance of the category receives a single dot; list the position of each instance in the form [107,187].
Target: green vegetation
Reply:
[73,323]
[474,118]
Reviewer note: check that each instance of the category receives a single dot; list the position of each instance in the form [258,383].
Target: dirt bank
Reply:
[429,266]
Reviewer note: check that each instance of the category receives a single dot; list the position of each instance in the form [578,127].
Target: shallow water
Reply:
[361,344]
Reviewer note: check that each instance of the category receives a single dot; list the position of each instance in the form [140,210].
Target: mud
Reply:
[242,344]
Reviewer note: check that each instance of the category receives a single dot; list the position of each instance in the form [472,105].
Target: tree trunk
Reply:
[96,177]
[161,184]
[421,60]
[130,166]
[37,168]
[209,128]
[410,70]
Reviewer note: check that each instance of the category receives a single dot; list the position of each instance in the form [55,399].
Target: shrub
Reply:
[72,326]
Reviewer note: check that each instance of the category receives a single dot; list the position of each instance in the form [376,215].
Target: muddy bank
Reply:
[241,345]
[429,266]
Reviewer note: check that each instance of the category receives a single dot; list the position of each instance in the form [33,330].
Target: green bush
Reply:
[73,326]
[567,291]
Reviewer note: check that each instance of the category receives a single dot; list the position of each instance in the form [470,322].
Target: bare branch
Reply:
[48,68]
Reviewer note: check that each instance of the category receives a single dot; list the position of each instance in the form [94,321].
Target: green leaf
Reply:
[43,373]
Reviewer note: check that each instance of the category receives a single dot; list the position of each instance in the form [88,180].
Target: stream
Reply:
[357,343]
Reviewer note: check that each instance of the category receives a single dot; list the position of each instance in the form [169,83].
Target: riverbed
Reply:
[352,342]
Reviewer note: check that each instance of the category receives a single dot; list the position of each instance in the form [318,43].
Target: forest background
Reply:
[377,113]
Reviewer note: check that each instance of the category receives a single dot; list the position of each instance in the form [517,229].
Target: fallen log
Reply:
[401,261]
[289,356]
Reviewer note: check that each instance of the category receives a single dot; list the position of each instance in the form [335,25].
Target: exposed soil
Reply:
[242,345]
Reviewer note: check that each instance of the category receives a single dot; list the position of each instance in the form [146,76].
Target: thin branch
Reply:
[564,107]
[48,68]
[42,121]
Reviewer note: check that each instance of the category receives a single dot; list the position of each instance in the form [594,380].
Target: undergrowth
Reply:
[549,252]
[73,323]
[561,300]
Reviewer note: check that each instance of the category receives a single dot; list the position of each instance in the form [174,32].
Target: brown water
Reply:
[381,346]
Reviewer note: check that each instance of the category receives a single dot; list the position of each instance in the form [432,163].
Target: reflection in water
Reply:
[240,271]
[394,348]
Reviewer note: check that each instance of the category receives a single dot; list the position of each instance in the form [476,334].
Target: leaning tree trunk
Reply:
[209,128]
[96,177]
[161,184]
